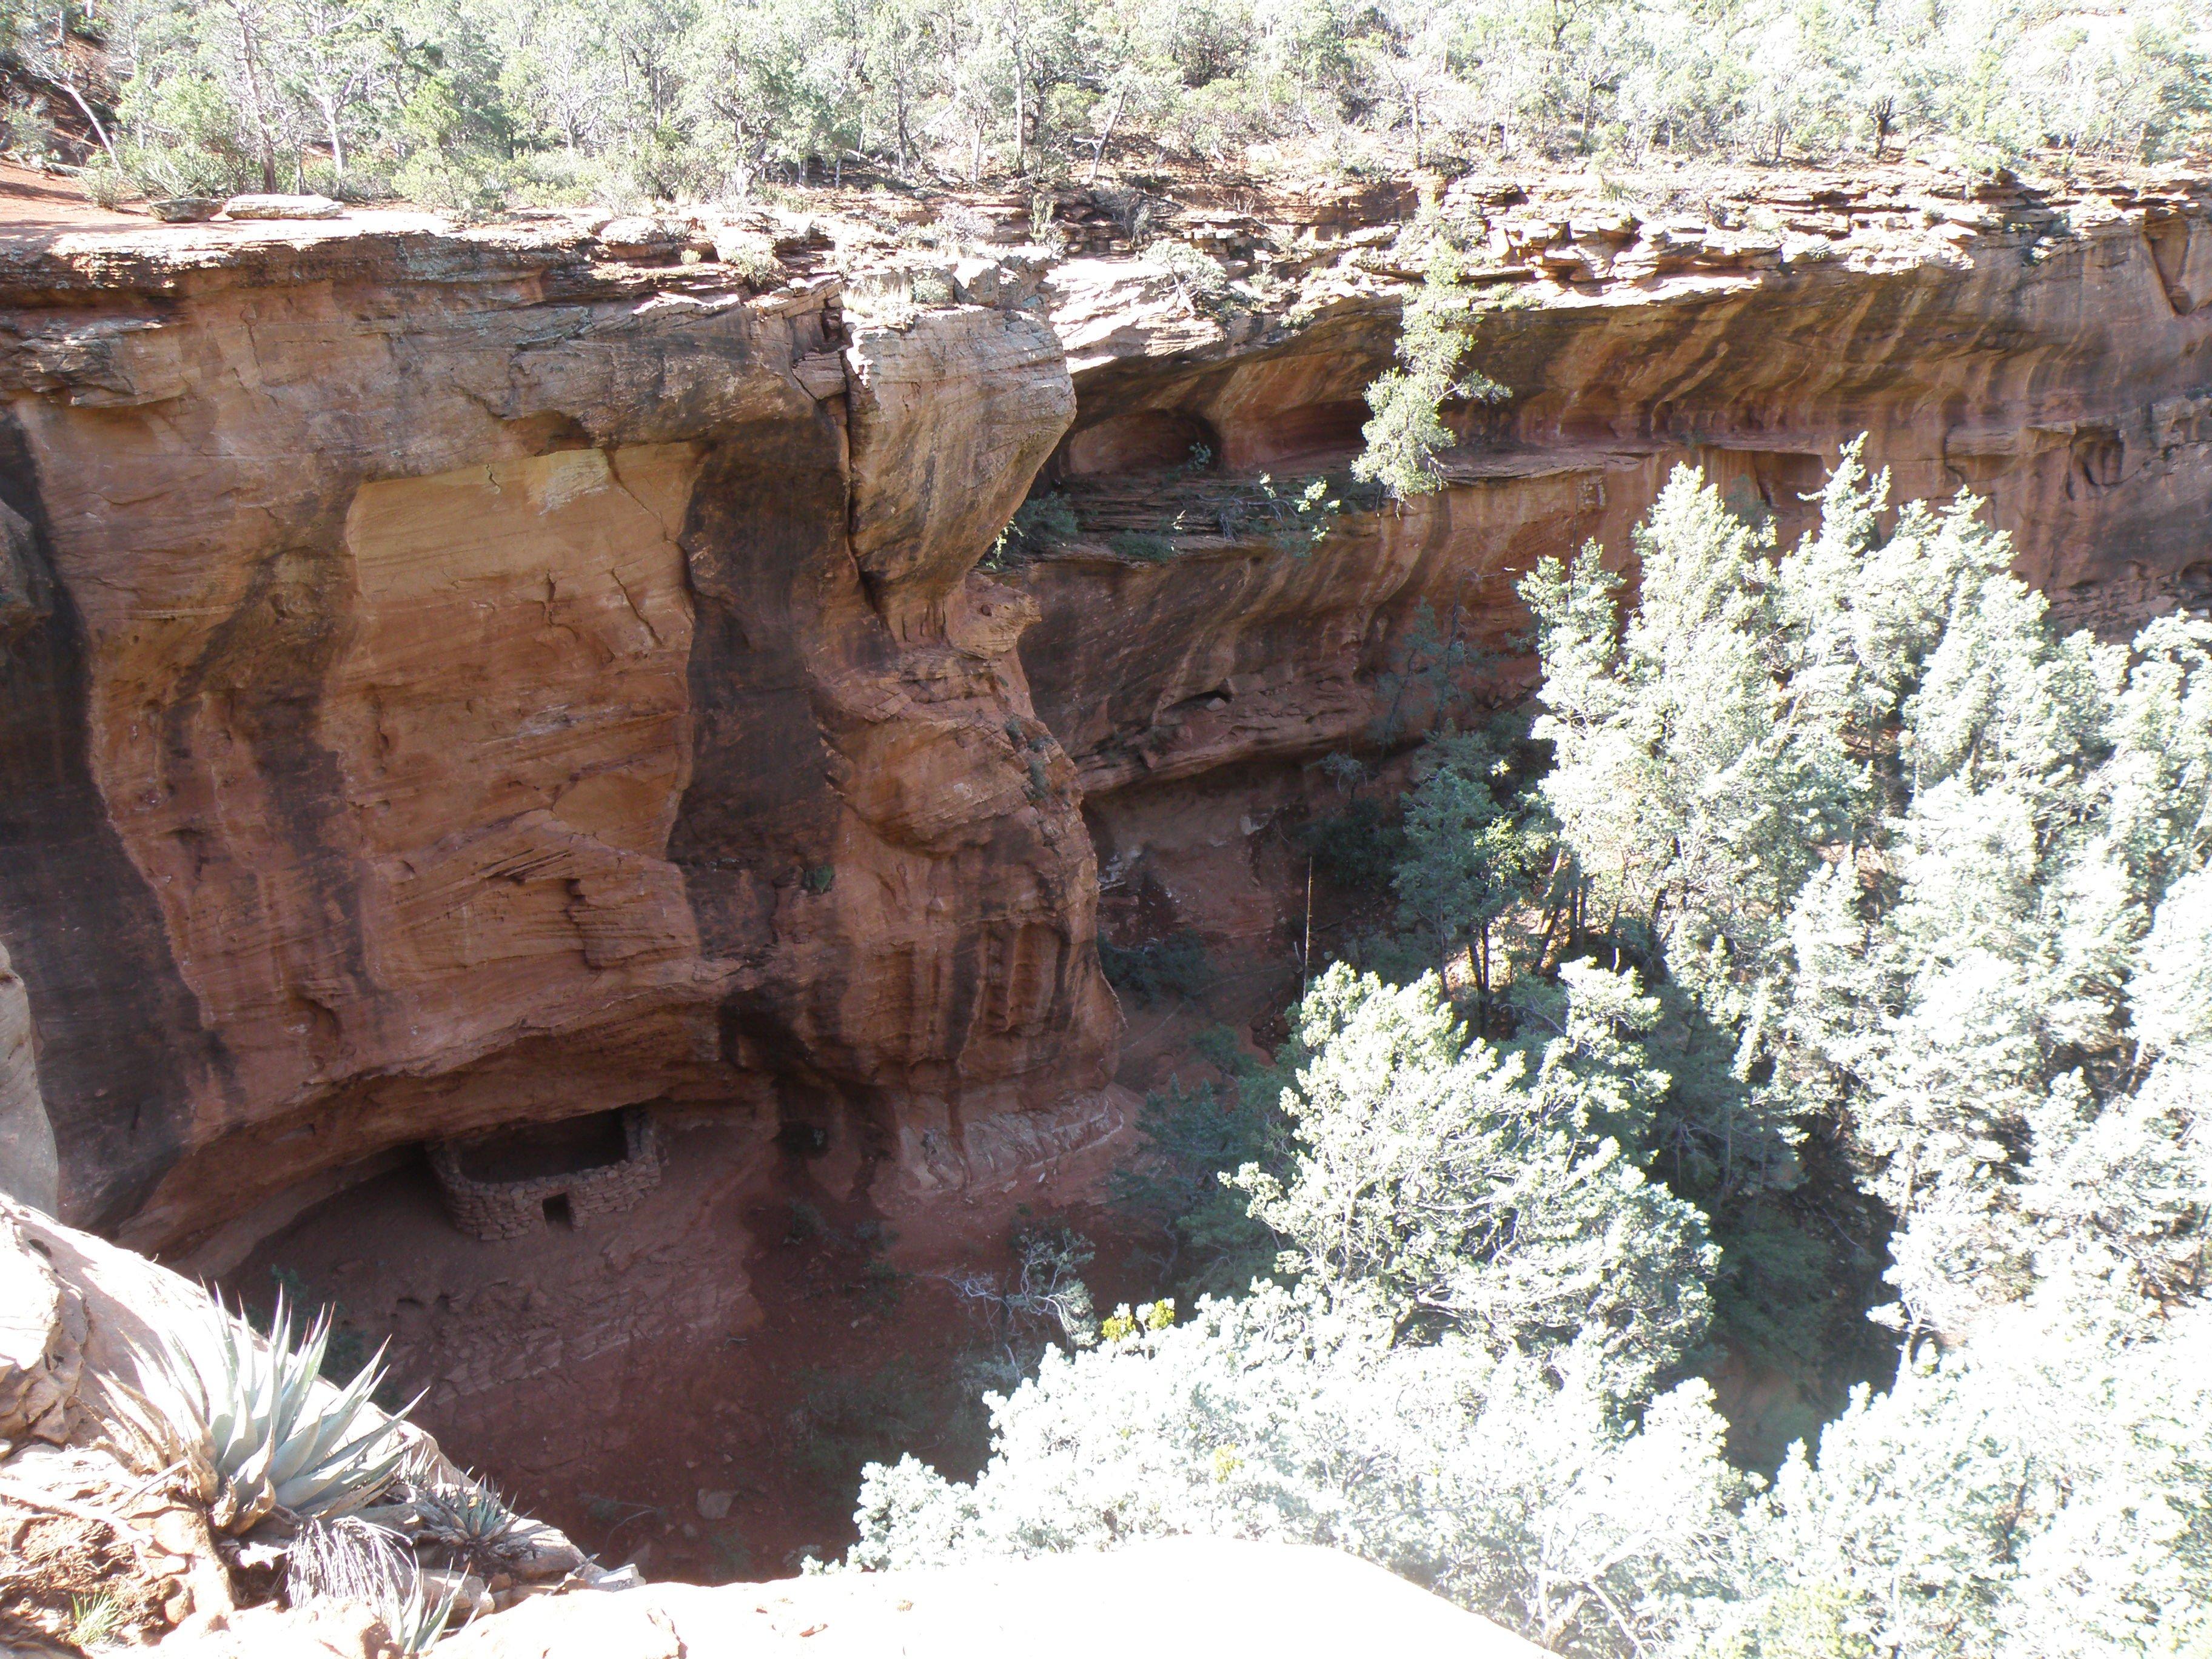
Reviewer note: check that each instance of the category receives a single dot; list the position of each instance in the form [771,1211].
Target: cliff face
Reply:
[2045,354]
[451,680]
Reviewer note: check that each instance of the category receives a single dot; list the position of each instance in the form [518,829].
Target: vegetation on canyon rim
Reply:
[637,100]
[1849,883]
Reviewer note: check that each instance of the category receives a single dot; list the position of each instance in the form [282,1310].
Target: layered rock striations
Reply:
[2043,352]
[452,679]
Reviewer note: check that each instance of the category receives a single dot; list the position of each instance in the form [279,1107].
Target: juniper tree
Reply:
[1911,847]
[1407,431]
[1891,854]
[1495,1191]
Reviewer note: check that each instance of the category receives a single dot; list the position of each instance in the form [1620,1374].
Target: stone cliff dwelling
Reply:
[568,1173]
[534,694]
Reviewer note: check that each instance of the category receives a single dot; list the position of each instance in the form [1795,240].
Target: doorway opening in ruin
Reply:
[558,1213]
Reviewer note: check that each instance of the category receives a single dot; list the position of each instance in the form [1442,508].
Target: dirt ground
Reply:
[696,1384]
[34,204]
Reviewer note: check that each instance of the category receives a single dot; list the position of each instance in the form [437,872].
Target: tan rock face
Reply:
[29,1168]
[444,685]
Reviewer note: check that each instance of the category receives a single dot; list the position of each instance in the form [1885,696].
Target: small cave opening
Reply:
[1314,435]
[1778,486]
[2193,585]
[802,1139]
[1136,441]
[2100,460]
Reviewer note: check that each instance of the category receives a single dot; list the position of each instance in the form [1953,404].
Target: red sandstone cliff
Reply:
[454,682]
[2045,351]
[448,679]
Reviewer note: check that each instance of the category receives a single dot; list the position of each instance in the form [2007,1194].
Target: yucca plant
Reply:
[244,1422]
[353,1559]
[94,1621]
[349,1559]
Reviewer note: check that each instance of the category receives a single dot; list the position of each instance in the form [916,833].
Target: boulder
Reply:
[30,1168]
[283,207]
[1180,1598]
[41,1341]
[641,238]
[185,210]
[327,1630]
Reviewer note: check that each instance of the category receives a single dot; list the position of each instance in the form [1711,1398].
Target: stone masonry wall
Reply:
[515,1209]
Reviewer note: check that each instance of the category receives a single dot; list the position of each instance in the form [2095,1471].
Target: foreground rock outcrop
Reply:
[93,1508]
[1185,1598]
[452,679]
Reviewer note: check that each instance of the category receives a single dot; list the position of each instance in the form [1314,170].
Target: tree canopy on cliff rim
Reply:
[635,100]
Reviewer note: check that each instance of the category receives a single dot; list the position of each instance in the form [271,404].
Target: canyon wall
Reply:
[2043,352]
[451,681]
[454,679]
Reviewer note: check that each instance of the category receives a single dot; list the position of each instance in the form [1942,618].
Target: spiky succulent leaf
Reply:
[470,1516]
[414,1619]
[251,1415]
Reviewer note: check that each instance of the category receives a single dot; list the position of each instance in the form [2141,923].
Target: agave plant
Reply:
[414,1619]
[470,1518]
[246,1424]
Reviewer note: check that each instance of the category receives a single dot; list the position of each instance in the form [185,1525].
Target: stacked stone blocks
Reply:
[490,1209]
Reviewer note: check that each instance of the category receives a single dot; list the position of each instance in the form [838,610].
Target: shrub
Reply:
[844,1422]
[1358,848]
[1174,966]
[1038,523]
[1192,1139]
[1198,277]
[1143,546]
[103,185]
[1297,1416]
[1293,520]
[751,258]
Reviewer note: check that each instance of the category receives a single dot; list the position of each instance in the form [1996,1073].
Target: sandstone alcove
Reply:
[1140,441]
[691,1378]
